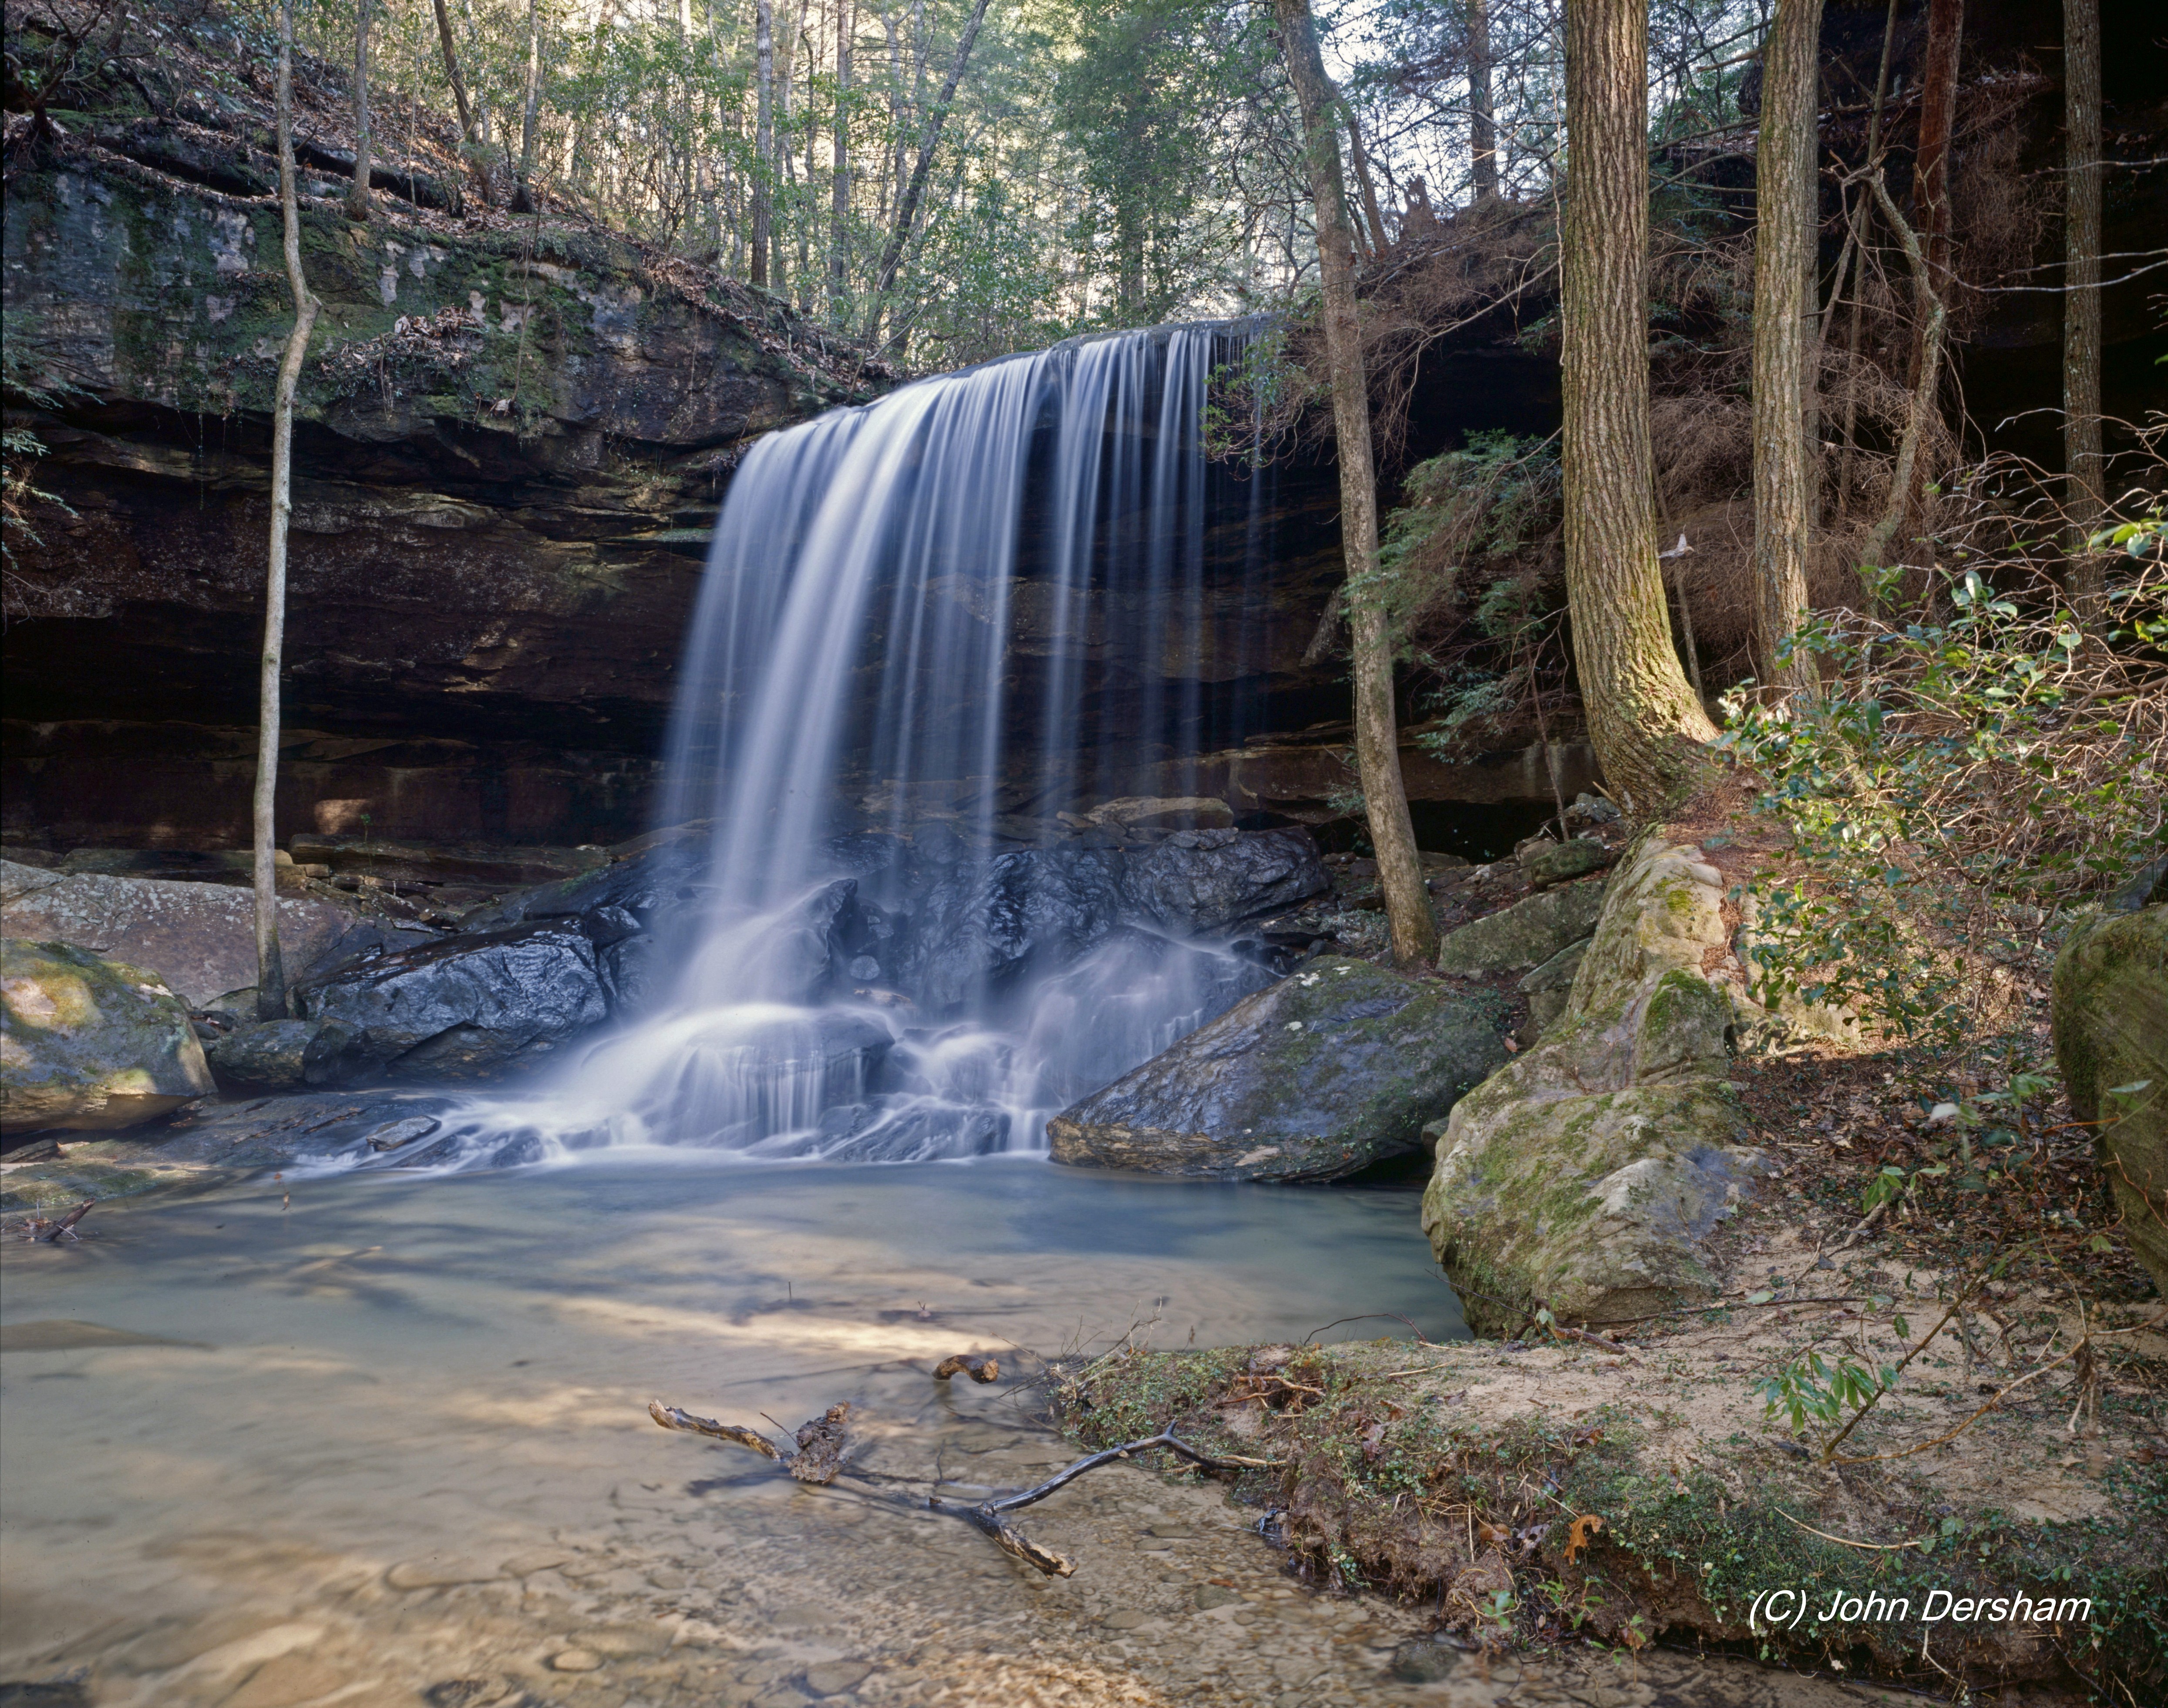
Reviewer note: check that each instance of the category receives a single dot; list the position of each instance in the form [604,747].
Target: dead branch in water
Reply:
[978,1369]
[672,1419]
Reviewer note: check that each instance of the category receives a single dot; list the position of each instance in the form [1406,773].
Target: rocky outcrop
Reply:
[1525,935]
[1201,881]
[200,938]
[1588,1174]
[2110,1017]
[1322,1074]
[90,1043]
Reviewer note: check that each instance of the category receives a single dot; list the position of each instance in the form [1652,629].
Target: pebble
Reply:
[833,1678]
[575,1661]
[1211,1595]
[534,1560]
[622,1641]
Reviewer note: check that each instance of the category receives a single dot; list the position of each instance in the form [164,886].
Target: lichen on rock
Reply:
[89,1042]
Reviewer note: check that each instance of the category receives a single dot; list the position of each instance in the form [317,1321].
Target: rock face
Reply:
[1586,1174]
[89,1042]
[2110,1016]
[469,1008]
[284,1054]
[1320,1075]
[201,937]
[1525,935]
[1202,881]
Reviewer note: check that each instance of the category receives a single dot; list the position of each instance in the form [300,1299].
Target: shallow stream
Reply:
[386,1443]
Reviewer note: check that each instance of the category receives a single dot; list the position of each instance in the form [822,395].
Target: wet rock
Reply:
[1164,813]
[1525,935]
[1209,1596]
[575,1661]
[283,1054]
[983,926]
[1316,1077]
[475,1007]
[1204,881]
[1590,1172]
[642,888]
[397,1135]
[437,1571]
[2110,1015]
[834,1678]
[90,1043]
[200,938]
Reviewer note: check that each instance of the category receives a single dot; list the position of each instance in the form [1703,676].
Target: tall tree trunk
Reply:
[839,191]
[1786,228]
[458,83]
[1482,121]
[763,135]
[1646,725]
[358,204]
[1930,163]
[1376,734]
[523,198]
[1371,211]
[270,965]
[929,139]
[2082,459]
[1858,298]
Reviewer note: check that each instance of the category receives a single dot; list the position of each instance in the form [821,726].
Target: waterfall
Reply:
[928,627]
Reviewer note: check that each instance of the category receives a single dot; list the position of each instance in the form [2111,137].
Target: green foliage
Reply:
[28,378]
[1809,1389]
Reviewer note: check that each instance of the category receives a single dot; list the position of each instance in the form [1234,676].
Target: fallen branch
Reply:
[672,1419]
[981,1370]
[51,1235]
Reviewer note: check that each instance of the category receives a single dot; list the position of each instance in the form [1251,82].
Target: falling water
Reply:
[997,592]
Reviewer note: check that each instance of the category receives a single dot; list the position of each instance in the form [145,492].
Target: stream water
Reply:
[387,1443]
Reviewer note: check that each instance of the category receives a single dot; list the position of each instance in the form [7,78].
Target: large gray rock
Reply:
[2110,1015]
[284,1054]
[983,927]
[1198,882]
[1318,1075]
[201,937]
[470,1008]
[1588,1175]
[1525,935]
[89,1042]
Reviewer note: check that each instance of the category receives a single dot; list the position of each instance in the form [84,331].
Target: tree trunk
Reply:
[459,94]
[1482,121]
[1371,211]
[1786,228]
[839,203]
[270,967]
[1930,163]
[1377,736]
[358,204]
[1646,725]
[2082,459]
[522,200]
[907,211]
[763,135]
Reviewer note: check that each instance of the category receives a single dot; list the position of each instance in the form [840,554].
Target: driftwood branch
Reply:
[672,1419]
[981,1370]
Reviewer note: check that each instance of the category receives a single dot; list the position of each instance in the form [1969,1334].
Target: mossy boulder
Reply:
[1525,935]
[1315,1076]
[2110,1016]
[1588,1175]
[89,1042]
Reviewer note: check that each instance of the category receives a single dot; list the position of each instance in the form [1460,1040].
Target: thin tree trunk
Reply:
[1904,479]
[270,965]
[1786,228]
[460,96]
[1482,122]
[1647,727]
[763,135]
[929,139]
[1852,374]
[839,204]
[1376,736]
[2082,459]
[1378,240]
[358,204]
[522,200]
[1931,163]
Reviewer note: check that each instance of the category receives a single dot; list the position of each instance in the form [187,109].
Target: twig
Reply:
[1421,1338]
[66,1224]
[1875,1547]
[672,1419]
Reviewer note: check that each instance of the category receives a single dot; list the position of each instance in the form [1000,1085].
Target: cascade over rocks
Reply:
[1322,1074]
[1588,1174]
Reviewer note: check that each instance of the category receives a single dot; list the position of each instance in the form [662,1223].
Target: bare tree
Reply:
[270,967]
[1482,122]
[929,139]
[1647,726]
[523,193]
[1786,228]
[763,134]
[839,193]
[1377,734]
[1931,161]
[358,204]
[460,93]
[2082,459]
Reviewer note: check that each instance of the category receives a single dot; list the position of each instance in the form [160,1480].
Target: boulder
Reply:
[1551,863]
[284,1054]
[201,937]
[983,926]
[476,1007]
[1164,813]
[1198,881]
[1525,935]
[1549,986]
[90,1043]
[1316,1077]
[2110,1018]
[1587,1175]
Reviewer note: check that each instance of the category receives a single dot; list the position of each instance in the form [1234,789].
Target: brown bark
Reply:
[2082,458]
[1371,211]
[358,204]
[1904,480]
[270,965]
[1873,162]
[1930,163]
[1785,467]
[1648,729]
[1482,122]
[1413,926]
[523,193]
[763,135]
[460,96]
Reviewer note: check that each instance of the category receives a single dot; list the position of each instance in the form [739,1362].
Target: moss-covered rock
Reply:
[1320,1075]
[1524,935]
[89,1042]
[2110,1027]
[1588,1175]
